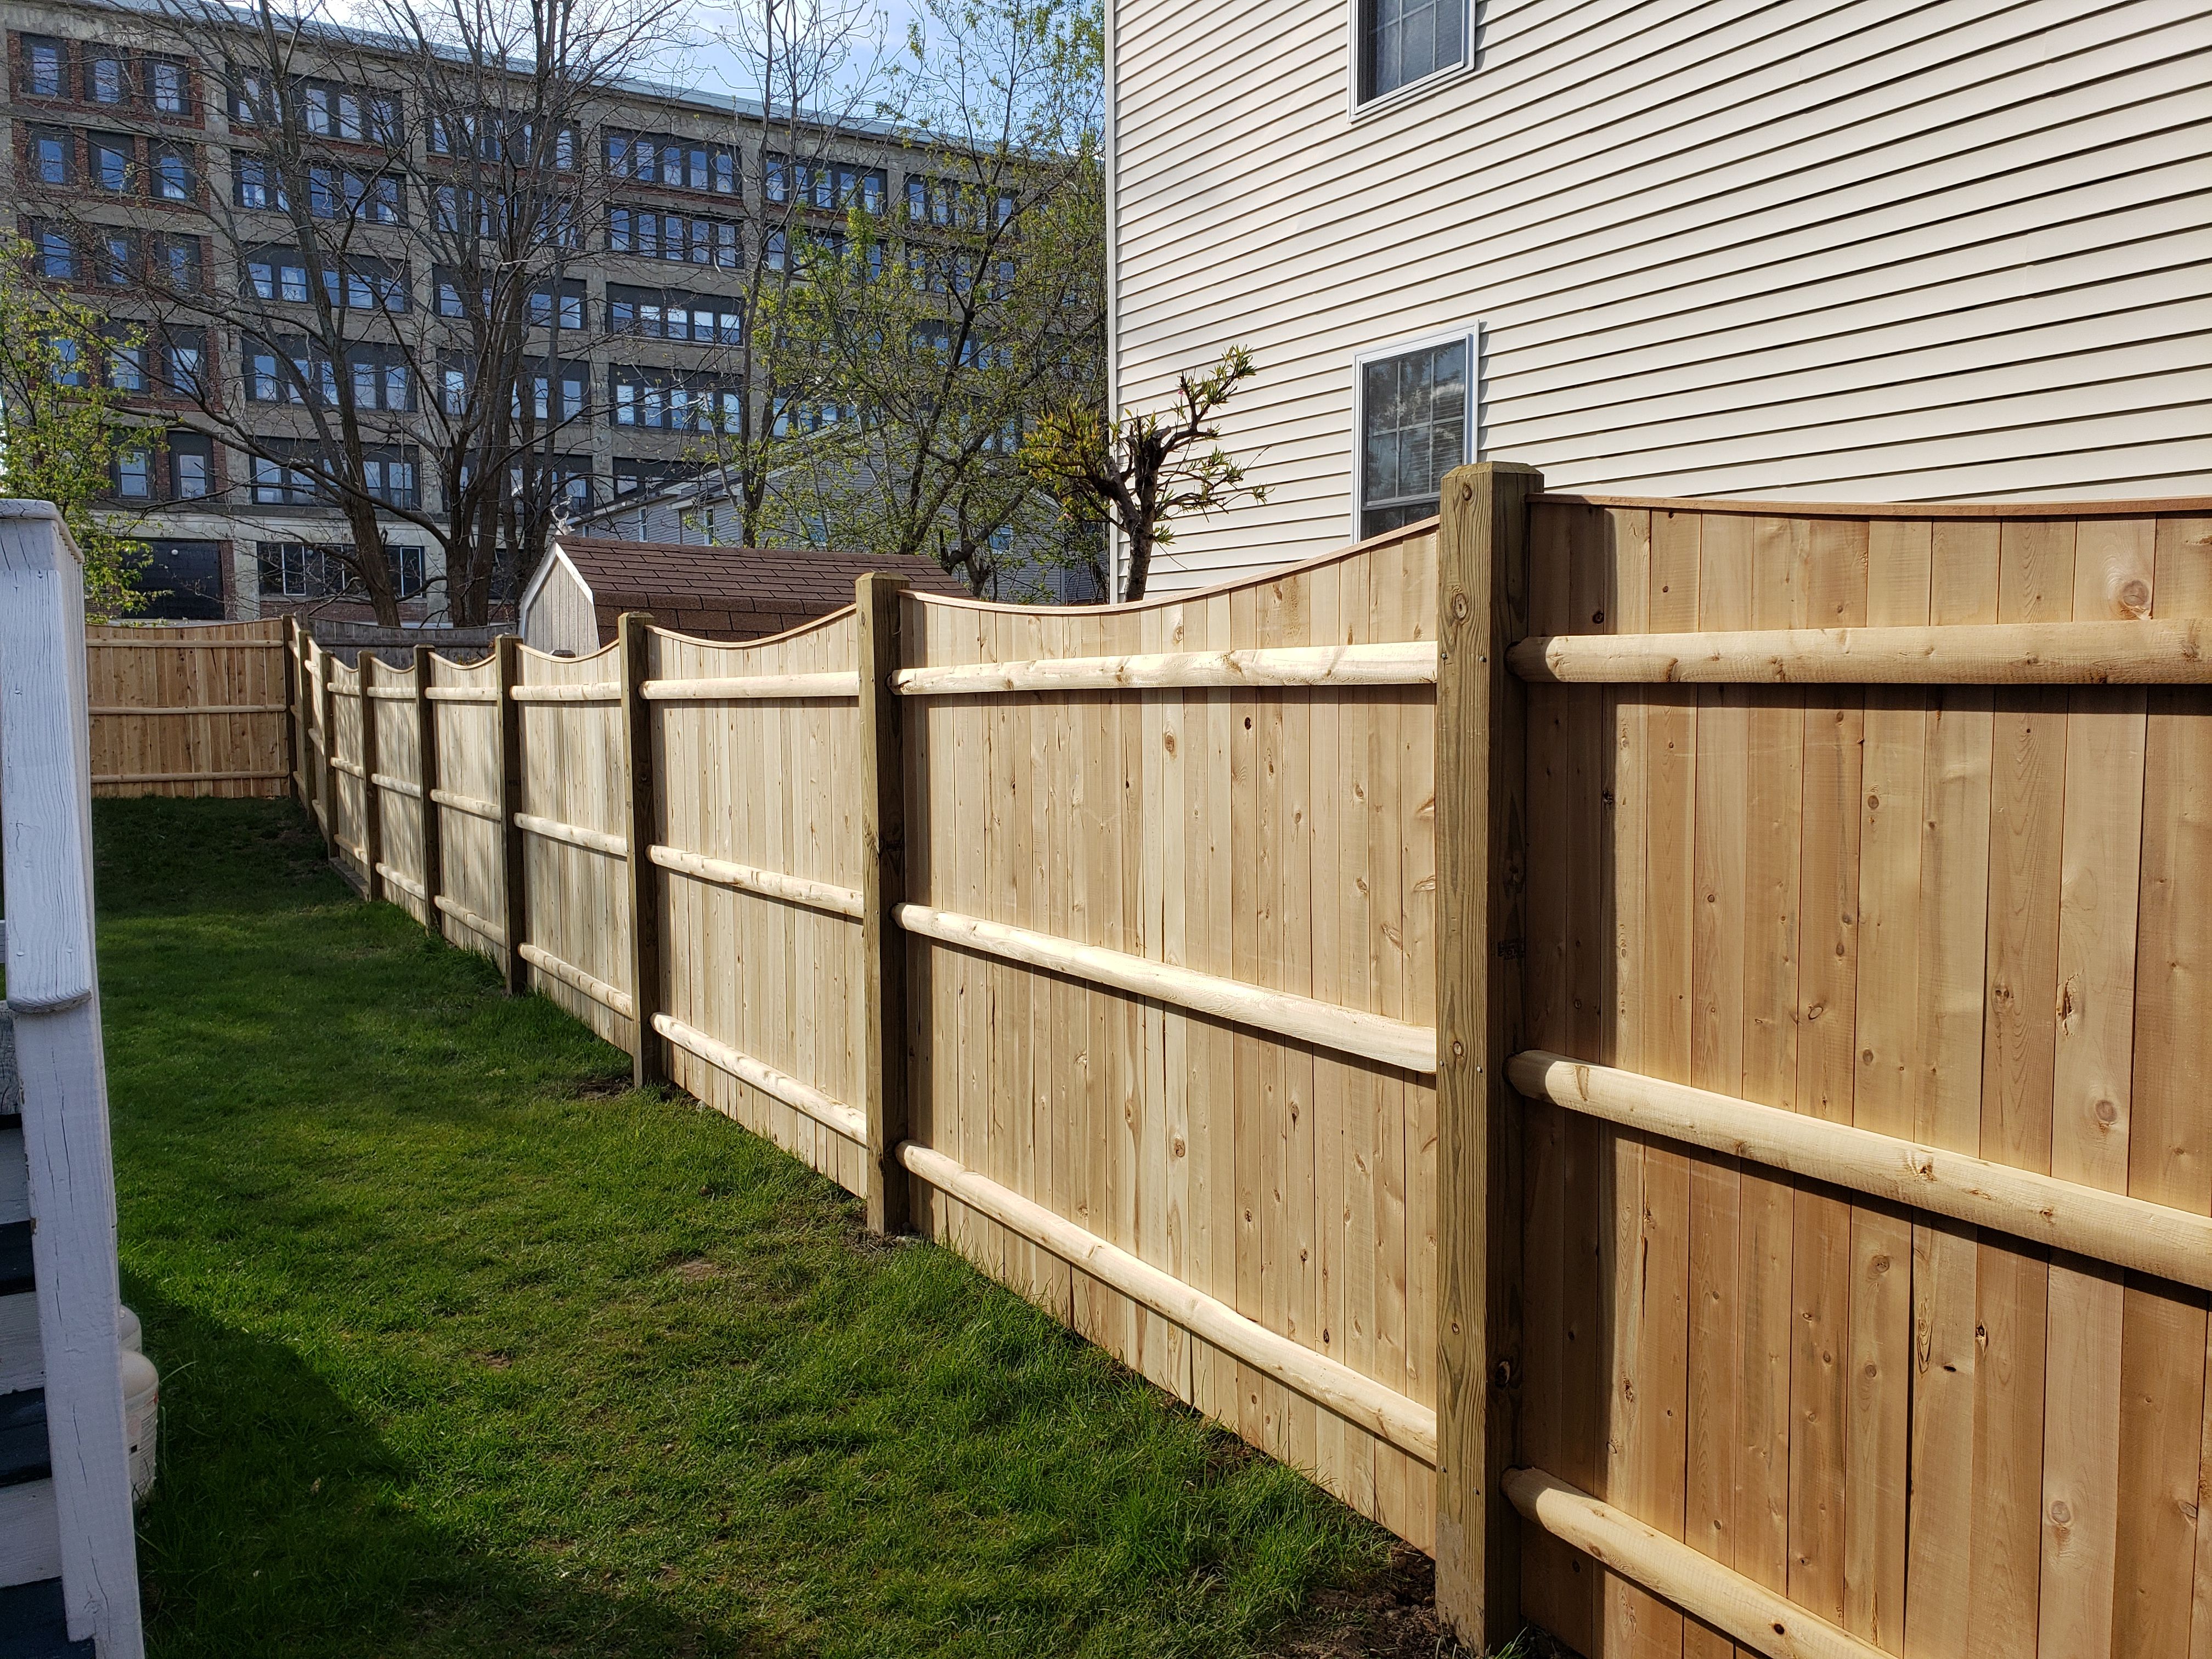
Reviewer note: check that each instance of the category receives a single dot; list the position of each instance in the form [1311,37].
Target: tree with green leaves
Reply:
[928,337]
[1142,471]
[60,423]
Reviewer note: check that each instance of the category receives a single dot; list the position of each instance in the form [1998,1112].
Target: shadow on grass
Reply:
[281,1525]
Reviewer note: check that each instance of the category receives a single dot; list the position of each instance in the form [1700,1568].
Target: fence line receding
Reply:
[1653,1048]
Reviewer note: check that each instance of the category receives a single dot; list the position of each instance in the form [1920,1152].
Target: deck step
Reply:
[23,1453]
[33,1624]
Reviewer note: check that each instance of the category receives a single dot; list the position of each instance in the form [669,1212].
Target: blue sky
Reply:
[711,67]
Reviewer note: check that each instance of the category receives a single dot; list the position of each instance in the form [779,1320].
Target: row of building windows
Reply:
[116,77]
[673,163]
[305,570]
[665,314]
[663,400]
[328,109]
[391,473]
[178,468]
[294,372]
[116,256]
[684,238]
[120,164]
[97,73]
[173,366]
[172,467]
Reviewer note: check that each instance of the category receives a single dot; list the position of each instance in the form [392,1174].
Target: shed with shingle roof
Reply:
[584,585]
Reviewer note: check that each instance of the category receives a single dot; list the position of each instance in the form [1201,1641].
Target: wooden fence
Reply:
[1931,885]
[1647,1046]
[189,710]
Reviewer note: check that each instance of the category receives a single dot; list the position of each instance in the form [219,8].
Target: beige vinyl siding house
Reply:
[1882,250]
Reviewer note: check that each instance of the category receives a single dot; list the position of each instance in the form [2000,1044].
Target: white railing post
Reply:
[53,993]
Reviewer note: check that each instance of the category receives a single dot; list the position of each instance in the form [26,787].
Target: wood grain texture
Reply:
[1964,917]
[1480,729]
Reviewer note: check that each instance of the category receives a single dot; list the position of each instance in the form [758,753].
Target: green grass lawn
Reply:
[468,1350]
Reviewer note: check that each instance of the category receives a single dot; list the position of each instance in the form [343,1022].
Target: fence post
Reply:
[53,991]
[296,771]
[330,789]
[641,821]
[883,885]
[506,664]
[426,775]
[372,798]
[1482,830]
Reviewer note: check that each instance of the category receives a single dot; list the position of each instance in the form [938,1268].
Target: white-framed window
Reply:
[1415,407]
[1400,45]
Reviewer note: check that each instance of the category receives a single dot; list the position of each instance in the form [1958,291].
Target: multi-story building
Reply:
[124,151]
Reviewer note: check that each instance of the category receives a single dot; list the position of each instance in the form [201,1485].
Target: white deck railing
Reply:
[53,993]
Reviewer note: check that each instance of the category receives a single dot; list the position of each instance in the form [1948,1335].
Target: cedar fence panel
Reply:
[1977,917]
[572,788]
[188,710]
[348,824]
[1277,838]
[398,785]
[755,788]
[471,899]
[1798,867]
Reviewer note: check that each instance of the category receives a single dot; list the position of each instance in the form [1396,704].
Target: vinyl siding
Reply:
[1887,251]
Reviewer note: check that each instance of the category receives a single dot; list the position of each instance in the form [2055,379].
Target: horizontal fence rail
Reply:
[151,711]
[575,835]
[568,974]
[846,1120]
[1282,667]
[1404,1423]
[1762,1619]
[2140,653]
[767,883]
[1393,1041]
[829,687]
[2128,1232]
[593,692]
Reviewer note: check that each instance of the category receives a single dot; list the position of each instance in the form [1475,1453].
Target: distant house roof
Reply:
[724,592]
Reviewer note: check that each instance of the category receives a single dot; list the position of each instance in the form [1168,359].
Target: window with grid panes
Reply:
[673,163]
[45,65]
[50,155]
[168,86]
[651,234]
[1402,41]
[1413,416]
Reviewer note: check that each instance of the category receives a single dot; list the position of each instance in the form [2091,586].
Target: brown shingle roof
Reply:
[730,592]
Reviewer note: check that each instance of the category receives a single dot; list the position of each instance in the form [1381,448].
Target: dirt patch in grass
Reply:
[1391,1615]
[603,1088]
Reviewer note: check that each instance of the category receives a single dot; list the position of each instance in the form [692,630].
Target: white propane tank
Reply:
[141,1410]
[129,1333]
